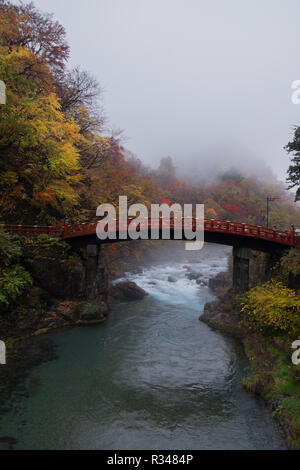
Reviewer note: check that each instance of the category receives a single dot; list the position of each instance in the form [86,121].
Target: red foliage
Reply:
[232,208]
[229,182]
[165,200]
[47,196]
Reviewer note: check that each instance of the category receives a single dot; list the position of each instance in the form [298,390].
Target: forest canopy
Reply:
[58,161]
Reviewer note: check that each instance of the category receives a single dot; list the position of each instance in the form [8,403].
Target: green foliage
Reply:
[48,240]
[272,375]
[14,279]
[291,262]
[10,249]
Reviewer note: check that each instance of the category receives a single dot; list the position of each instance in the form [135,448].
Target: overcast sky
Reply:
[205,81]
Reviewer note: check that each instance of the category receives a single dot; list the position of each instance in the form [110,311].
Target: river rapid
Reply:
[152,377]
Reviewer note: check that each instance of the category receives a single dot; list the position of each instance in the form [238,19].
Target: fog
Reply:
[207,82]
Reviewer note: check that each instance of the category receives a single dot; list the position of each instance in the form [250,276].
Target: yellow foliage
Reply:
[210,213]
[45,154]
[273,305]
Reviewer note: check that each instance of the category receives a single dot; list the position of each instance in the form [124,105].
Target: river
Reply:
[152,377]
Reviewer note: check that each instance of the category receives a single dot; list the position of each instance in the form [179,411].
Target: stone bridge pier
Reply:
[95,280]
[241,267]
[250,267]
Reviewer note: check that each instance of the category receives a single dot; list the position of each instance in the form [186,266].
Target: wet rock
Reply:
[172,279]
[65,275]
[137,270]
[61,278]
[276,404]
[127,291]
[193,276]
[92,313]
[220,280]
[221,315]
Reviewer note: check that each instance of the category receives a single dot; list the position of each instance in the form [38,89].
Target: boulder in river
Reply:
[193,276]
[172,279]
[93,313]
[127,290]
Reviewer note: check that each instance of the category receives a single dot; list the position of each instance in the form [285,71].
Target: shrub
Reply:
[272,305]
[14,279]
[48,240]
[291,262]
[10,249]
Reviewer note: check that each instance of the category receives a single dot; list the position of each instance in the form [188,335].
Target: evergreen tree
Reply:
[167,168]
[294,169]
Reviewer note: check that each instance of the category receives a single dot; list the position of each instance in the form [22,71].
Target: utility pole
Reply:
[270,199]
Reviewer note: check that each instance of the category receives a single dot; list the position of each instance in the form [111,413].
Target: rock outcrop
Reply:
[69,289]
[65,275]
[219,281]
[127,291]
[221,315]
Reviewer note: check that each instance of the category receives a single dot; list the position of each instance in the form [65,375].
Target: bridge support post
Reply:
[241,262]
[92,253]
[294,281]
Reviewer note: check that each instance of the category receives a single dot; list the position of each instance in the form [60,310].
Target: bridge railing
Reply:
[211,225]
[33,230]
[249,230]
[78,230]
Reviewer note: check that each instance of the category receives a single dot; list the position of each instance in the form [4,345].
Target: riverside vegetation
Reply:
[267,320]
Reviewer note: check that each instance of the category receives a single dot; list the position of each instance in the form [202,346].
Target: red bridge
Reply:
[215,231]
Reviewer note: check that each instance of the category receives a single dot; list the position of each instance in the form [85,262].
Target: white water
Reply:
[154,279]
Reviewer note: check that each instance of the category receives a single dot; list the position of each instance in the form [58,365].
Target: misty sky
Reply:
[205,81]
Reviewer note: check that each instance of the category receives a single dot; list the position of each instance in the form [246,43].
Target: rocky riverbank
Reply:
[61,293]
[271,373]
[68,289]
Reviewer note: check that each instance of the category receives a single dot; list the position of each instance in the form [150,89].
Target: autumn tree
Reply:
[38,143]
[77,88]
[25,26]
[39,158]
